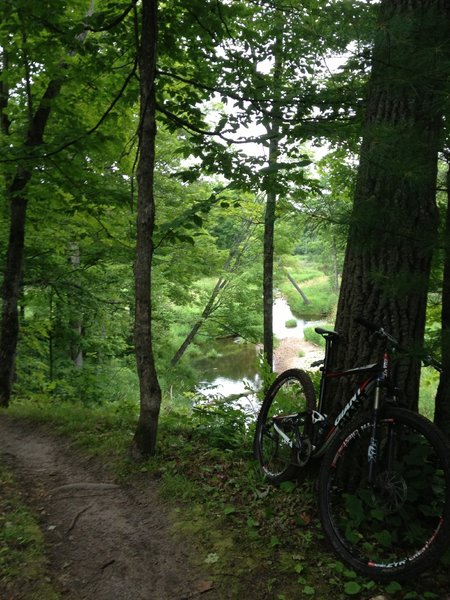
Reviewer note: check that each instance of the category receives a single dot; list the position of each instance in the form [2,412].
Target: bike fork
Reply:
[372,450]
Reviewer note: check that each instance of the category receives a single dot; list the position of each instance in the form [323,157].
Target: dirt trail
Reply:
[105,542]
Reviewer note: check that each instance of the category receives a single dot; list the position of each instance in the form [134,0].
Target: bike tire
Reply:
[400,525]
[292,393]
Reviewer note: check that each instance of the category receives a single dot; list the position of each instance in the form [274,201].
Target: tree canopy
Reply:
[261,110]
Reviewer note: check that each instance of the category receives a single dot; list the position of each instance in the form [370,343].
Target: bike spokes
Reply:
[392,520]
[282,444]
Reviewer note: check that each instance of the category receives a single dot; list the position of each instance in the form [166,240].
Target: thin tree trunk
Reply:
[5,121]
[394,221]
[442,407]
[50,337]
[144,441]
[231,265]
[76,319]
[297,287]
[271,198]
[210,307]
[269,233]
[17,197]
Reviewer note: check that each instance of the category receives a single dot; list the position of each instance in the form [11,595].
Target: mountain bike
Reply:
[384,479]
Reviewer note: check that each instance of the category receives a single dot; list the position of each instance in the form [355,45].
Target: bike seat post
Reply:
[329,338]
[328,349]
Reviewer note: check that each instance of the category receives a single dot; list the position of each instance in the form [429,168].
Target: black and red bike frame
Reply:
[378,376]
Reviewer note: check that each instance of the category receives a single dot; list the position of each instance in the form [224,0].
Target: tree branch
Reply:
[84,135]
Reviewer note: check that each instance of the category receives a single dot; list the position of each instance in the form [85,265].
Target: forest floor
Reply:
[106,541]
[199,523]
[103,541]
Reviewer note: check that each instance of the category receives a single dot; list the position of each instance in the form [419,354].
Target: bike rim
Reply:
[396,519]
[283,422]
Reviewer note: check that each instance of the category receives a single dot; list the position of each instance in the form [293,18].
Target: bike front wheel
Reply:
[395,522]
[282,438]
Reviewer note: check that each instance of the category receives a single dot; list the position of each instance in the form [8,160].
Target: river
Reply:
[235,370]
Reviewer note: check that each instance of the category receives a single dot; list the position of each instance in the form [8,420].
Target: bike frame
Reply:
[379,373]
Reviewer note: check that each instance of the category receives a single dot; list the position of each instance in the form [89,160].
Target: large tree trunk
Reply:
[17,197]
[442,408]
[144,442]
[394,221]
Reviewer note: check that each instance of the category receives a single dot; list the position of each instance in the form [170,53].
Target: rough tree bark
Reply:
[144,441]
[442,407]
[394,221]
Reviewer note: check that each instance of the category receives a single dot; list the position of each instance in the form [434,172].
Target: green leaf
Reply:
[229,510]
[384,537]
[351,588]
[252,523]
[338,567]
[197,220]
[393,587]
[308,590]
[288,486]
[274,541]
[186,238]
[350,574]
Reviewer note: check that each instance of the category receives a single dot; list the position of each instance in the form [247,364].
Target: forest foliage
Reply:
[230,78]
[254,100]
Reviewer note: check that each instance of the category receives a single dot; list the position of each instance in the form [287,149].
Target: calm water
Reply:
[236,368]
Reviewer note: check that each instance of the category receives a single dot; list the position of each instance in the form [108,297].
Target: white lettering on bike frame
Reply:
[353,403]
[372,451]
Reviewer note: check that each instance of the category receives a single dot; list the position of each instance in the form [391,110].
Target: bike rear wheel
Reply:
[399,524]
[283,429]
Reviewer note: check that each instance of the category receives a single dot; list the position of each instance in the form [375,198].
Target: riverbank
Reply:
[296,352]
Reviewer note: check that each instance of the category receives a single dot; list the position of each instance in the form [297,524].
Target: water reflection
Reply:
[234,371]
[236,359]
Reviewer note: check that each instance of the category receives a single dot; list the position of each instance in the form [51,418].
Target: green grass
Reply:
[104,430]
[291,324]
[429,381]
[23,564]
[315,284]
[315,338]
[269,538]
